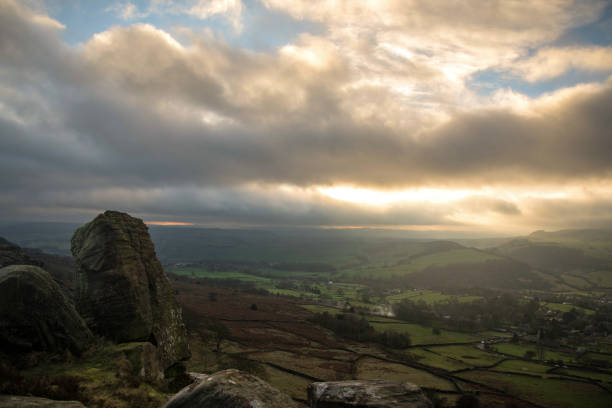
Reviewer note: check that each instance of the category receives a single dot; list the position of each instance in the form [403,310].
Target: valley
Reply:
[518,324]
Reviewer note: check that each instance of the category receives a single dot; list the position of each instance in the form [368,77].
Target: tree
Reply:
[219,331]
[222,333]
[253,306]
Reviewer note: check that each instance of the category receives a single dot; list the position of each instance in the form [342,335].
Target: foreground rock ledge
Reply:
[366,394]
[122,290]
[230,389]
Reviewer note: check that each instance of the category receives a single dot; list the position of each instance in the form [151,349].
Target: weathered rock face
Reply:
[36,315]
[121,289]
[11,254]
[13,401]
[366,393]
[230,389]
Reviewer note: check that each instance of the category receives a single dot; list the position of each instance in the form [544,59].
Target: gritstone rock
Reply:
[230,389]
[121,288]
[366,394]
[36,315]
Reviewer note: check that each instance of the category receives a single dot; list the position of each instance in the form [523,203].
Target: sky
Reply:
[455,115]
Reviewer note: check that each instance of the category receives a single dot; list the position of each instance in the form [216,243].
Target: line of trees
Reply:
[358,329]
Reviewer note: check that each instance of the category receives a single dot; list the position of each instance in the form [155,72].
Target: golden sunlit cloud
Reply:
[378,197]
[434,195]
[169,223]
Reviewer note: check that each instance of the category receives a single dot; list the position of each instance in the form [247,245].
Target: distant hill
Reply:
[565,250]
[569,259]
[62,268]
[586,235]
[50,237]
[493,273]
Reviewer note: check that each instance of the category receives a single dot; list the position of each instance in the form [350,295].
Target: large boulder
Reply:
[230,389]
[36,315]
[121,288]
[366,394]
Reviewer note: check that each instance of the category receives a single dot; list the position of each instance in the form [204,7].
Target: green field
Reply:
[601,278]
[429,296]
[566,308]
[545,392]
[455,256]
[520,366]
[519,350]
[419,263]
[429,358]
[469,355]
[575,281]
[424,335]
[594,375]
[491,334]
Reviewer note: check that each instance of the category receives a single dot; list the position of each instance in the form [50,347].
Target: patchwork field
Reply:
[278,342]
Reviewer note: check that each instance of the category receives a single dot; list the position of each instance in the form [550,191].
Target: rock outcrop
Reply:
[36,315]
[230,389]
[11,254]
[13,401]
[366,393]
[122,291]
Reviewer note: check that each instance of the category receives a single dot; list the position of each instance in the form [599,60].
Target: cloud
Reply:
[549,63]
[200,9]
[135,119]
[231,9]
[456,37]
[231,117]
[126,11]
